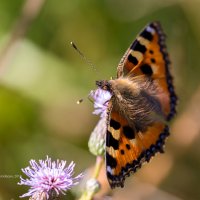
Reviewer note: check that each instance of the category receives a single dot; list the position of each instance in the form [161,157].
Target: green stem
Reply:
[98,165]
[99,162]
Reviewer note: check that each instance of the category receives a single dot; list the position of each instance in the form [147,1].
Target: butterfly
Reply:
[139,104]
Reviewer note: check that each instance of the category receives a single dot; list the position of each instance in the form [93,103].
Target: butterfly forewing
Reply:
[148,56]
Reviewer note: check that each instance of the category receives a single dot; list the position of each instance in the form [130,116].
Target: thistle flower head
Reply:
[47,177]
[101,98]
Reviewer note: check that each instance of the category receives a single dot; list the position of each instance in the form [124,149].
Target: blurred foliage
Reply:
[45,77]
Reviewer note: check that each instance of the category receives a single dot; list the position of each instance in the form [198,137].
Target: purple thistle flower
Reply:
[101,99]
[47,177]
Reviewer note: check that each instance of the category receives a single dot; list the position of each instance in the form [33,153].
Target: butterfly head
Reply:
[104,85]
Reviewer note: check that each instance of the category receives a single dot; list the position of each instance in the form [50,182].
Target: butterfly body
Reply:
[142,101]
[135,99]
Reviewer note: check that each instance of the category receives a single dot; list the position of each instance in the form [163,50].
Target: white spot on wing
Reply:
[143,41]
[154,68]
[151,30]
[137,54]
[109,169]
[115,133]
[133,142]
[111,151]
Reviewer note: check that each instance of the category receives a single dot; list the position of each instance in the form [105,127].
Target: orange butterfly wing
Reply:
[127,149]
[148,56]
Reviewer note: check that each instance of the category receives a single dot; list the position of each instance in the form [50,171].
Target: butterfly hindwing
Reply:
[127,149]
[148,56]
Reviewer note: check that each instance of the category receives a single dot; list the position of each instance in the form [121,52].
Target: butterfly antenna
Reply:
[83,56]
[79,101]
[89,63]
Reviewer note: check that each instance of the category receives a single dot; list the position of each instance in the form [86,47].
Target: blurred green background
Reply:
[42,77]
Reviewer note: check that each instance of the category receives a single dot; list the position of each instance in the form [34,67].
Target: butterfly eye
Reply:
[100,84]
[105,85]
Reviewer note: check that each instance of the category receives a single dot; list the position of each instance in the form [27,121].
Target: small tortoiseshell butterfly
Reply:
[137,104]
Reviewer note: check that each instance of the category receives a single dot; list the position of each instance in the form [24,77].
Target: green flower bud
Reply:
[92,186]
[96,142]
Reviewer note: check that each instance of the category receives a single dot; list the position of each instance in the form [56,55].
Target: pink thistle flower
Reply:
[101,99]
[47,177]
